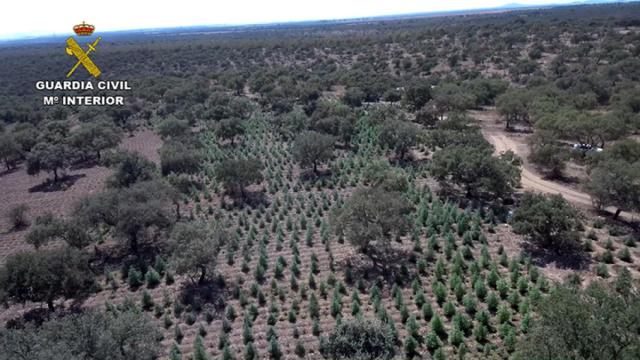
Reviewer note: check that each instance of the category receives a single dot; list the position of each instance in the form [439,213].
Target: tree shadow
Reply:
[62,184]
[211,295]
[577,260]
[633,224]
[85,164]
[311,176]
[499,208]
[5,171]
[397,271]
[36,316]
[252,199]
[560,178]
[39,315]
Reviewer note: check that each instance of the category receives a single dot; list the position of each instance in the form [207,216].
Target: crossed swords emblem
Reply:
[74,49]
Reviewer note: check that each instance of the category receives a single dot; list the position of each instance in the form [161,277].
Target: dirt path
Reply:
[530,179]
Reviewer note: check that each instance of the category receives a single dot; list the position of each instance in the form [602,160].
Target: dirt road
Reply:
[533,181]
[494,133]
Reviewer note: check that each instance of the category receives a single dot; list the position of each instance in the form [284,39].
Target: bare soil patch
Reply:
[17,187]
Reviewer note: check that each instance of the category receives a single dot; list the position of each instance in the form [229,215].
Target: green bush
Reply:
[250,353]
[274,349]
[300,350]
[602,271]
[147,301]
[152,278]
[134,278]
[437,326]
[432,341]
[411,347]
[17,216]
[607,257]
[625,255]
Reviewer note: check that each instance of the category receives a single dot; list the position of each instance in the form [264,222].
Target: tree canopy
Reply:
[597,323]
[400,136]
[45,276]
[477,170]
[360,339]
[237,174]
[549,221]
[616,183]
[312,148]
[130,168]
[371,218]
[131,213]
[115,335]
[194,248]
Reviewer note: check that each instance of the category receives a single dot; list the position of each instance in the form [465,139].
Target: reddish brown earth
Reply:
[17,187]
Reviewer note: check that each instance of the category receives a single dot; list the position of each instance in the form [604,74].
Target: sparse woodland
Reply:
[322,191]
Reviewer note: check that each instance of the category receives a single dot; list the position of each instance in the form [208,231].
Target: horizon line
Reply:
[513,6]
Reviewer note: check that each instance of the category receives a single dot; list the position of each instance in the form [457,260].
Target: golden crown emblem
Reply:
[84,29]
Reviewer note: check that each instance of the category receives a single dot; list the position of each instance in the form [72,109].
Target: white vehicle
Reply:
[586,148]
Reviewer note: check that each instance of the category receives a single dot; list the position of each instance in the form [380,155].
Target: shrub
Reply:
[314,308]
[432,341]
[439,355]
[190,319]
[492,302]
[247,333]
[250,352]
[440,292]
[315,327]
[504,314]
[624,255]
[427,311]
[456,337]
[134,278]
[292,316]
[274,349]
[17,216]
[411,347]
[607,257]
[226,353]
[178,335]
[230,313]
[147,301]
[174,353]
[300,350]
[630,241]
[449,309]
[462,323]
[336,305]
[480,289]
[481,334]
[152,278]
[199,351]
[412,327]
[469,304]
[609,244]
[602,271]
[167,322]
[438,327]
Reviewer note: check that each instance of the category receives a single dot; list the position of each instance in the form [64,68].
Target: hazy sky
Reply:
[46,17]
